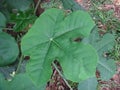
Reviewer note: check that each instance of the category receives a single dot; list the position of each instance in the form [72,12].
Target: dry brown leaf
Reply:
[117,2]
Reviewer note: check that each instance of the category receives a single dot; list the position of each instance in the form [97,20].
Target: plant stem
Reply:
[19,64]
[54,65]
[37,5]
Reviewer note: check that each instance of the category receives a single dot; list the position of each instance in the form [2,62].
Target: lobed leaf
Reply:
[52,38]
[106,66]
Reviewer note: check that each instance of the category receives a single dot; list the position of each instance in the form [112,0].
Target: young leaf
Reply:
[23,20]
[52,37]
[8,49]
[89,84]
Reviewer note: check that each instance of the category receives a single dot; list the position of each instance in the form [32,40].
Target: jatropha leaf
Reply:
[106,66]
[89,84]
[52,37]
[8,49]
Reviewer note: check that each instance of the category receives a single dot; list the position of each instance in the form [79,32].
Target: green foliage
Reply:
[52,37]
[21,82]
[2,21]
[103,45]
[107,68]
[116,52]
[18,83]
[22,20]
[8,49]
[89,84]
[3,83]
[56,35]
[71,5]
[51,4]
[21,5]
[76,65]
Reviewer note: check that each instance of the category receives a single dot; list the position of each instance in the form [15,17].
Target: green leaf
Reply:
[89,84]
[102,44]
[52,37]
[0,29]
[2,21]
[72,5]
[106,66]
[84,60]
[23,82]
[21,5]
[105,44]
[23,20]
[8,49]
[20,81]
[3,83]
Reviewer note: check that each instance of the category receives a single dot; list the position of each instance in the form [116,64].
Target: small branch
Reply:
[54,65]
[37,5]
[19,64]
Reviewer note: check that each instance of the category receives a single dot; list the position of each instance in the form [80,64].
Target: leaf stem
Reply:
[37,5]
[54,65]
[19,64]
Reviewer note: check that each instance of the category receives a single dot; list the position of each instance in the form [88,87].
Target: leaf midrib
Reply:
[70,30]
[105,67]
[104,45]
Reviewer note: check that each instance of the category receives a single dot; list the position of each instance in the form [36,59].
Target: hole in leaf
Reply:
[27,58]
[106,54]
[79,39]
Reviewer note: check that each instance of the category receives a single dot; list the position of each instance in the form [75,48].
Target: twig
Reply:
[37,5]
[19,64]
[54,65]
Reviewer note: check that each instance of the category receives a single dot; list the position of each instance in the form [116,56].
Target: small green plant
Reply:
[71,38]
[56,41]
